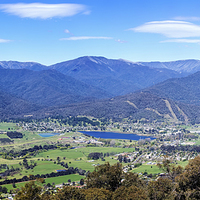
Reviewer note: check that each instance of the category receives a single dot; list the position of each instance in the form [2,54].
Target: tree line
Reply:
[70,170]
[32,151]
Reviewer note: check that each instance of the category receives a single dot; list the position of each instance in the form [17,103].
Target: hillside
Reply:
[11,107]
[47,87]
[186,89]
[135,106]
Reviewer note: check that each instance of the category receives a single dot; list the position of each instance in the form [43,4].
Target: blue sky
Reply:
[53,31]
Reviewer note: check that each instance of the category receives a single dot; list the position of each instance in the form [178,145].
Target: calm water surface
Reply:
[48,134]
[113,135]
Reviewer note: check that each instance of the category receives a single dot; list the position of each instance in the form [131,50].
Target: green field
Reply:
[56,180]
[74,158]
[154,169]
[8,126]
[150,169]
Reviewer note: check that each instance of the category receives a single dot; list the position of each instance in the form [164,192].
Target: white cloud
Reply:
[171,29]
[86,38]
[44,11]
[187,18]
[121,41]
[4,41]
[68,32]
[182,41]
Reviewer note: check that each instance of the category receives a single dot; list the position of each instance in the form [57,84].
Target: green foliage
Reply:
[97,194]
[69,193]
[130,193]
[105,176]
[160,189]
[29,192]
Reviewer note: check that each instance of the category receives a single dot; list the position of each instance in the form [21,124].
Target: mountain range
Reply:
[183,66]
[116,77]
[101,87]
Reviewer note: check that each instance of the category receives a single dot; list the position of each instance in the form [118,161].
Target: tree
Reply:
[81,182]
[170,169]
[13,184]
[120,158]
[130,193]
[189,181]
[97,194]
[30,191]
[160,189]
[105,176]
[132,179]
[4,190]
[69,193]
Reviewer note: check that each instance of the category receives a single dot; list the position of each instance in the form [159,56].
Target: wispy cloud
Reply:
[182,41]
[44,11]
[170,29]
[121,41]
[4,41]
[86,38]
[187,18]
[68,32]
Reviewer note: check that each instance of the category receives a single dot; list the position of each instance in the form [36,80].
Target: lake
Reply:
[113,135]
[48,134]
[61,170]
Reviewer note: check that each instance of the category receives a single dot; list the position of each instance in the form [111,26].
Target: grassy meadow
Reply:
[74,158]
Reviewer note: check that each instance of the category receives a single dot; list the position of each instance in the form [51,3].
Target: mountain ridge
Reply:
[188,66]
[117,77]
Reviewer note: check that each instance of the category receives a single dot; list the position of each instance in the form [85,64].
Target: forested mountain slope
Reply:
[47,87]
[186,89]
[135,106]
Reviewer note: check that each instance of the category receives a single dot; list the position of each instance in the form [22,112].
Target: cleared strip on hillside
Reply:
[183,114]
[170,109]
[132,104]
[151,109]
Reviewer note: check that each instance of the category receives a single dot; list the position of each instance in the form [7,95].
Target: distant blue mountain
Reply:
[22,65]
[117,77]
[183,66]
